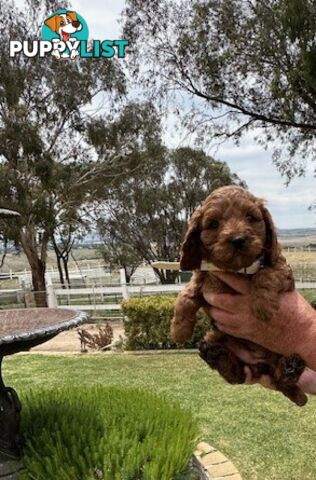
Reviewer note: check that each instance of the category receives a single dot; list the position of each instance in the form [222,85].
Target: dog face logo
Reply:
[64,24]
[65,28]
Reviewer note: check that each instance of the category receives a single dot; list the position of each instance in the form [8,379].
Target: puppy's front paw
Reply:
[181,330]
[74,54]
[56,54]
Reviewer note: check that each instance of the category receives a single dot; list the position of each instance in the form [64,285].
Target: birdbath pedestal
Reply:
[21,330]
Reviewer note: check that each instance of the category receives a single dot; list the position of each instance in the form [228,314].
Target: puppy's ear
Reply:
[52,23]
[73,16]
[191,249]
[271,243]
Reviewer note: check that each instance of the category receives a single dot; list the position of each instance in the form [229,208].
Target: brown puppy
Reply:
[233,229]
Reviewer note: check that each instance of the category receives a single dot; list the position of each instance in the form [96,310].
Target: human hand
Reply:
[307,381]
[291,330]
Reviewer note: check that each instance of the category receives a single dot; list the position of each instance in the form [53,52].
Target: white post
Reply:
[123,284]
[51,297]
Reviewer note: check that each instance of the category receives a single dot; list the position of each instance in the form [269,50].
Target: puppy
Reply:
[233,230]
[64,24]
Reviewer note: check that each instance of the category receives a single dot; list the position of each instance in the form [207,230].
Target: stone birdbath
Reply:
[21,330]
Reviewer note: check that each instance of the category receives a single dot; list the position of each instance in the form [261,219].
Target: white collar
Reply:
[251,270]
[209,267]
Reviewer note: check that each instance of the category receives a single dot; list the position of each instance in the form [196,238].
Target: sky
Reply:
[288,205]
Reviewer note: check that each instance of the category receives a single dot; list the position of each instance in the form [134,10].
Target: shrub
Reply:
[106,434]
[98,340]
[148,323]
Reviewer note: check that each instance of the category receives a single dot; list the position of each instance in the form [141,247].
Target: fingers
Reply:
[224,301]
[307,381]
[236,281]
[222,318]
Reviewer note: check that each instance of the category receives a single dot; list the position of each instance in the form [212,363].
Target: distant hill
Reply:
[297,232]
[297,237]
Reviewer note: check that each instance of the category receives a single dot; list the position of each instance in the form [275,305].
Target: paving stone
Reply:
[222,470]
[235,476]
[205,448]
[213,458]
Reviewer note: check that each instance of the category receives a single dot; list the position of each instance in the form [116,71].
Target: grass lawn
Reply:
[266,436]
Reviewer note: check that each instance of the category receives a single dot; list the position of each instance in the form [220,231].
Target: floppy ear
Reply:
[73,16]
[191,249]
[52,23]
[271,244]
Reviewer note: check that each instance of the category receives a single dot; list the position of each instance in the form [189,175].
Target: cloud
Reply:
[102,17]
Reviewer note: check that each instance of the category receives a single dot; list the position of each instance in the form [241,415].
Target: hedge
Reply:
[147,323]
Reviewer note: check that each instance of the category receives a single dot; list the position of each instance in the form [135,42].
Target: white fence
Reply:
[101,298]
[102,301]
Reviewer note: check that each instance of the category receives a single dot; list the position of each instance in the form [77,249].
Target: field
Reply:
[82,257]
[266,436]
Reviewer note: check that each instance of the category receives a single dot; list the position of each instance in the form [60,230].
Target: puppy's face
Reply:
[231,229]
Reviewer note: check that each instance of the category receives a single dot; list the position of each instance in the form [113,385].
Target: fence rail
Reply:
[107,299]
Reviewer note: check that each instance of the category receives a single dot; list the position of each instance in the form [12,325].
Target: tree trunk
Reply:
[65,261]
[166,276]
[59,266]
[39,284]
[37,264]
[60,271]
[171,276]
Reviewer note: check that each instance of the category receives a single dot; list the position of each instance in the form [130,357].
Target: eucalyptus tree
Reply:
[46,163]
[246,65]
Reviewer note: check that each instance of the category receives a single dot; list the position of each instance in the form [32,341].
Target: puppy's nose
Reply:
[239,241]
[76,24]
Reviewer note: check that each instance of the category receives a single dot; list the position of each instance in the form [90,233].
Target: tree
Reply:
[43,142]
[249,65]
[149,211]
[117,253]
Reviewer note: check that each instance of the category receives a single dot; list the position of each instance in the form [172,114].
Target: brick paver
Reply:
[214,464]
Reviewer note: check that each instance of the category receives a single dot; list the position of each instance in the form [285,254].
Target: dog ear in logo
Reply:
[51,23]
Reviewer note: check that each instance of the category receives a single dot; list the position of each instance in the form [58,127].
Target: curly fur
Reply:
[232,229]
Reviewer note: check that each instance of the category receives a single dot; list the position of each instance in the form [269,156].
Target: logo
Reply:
[65,35]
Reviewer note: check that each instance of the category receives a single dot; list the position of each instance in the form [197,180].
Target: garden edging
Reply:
[213,465]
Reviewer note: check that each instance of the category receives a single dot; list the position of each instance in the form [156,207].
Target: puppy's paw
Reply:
[74,54]
[211,352]
[181,330]
[291,368]
[56,54]
[219,358]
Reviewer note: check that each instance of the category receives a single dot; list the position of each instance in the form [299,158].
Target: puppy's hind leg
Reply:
[286,375]
[215,353]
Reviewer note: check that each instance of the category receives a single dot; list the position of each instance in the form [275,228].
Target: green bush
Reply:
[148,323]
[106,434]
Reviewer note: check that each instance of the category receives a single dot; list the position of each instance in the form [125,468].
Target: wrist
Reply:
[304,333]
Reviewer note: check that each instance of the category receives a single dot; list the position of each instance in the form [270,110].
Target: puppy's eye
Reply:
[213,224]
[62,22]
[252,218]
